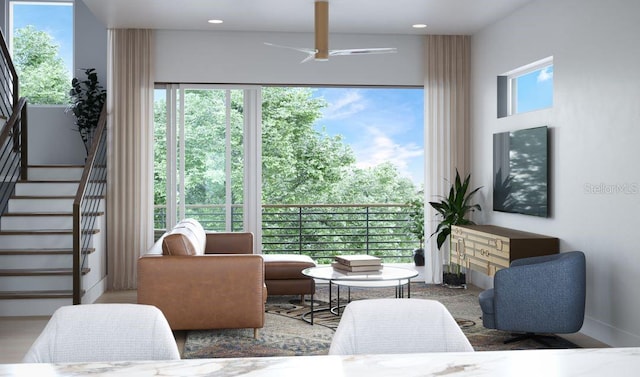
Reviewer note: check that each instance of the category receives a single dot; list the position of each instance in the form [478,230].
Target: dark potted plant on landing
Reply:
[415,225]
[453,210]
[87,100]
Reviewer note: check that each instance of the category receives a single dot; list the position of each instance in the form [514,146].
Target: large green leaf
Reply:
[454,208]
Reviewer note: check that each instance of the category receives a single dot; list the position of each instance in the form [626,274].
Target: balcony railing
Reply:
[320,231]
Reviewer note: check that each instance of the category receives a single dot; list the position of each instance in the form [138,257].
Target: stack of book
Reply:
[357,264]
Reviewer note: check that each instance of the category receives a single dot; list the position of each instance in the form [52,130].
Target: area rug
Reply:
[281,336]
[286,334]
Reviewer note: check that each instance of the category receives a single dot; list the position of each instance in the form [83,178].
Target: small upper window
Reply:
[41,43]
[526,89]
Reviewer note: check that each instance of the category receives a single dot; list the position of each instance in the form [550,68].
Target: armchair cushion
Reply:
[538,295]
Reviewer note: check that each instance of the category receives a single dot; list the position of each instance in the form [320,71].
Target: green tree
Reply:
[378,184]
[43,77]
[300,165]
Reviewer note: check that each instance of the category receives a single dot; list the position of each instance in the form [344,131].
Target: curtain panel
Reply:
[130,153]
[446,137]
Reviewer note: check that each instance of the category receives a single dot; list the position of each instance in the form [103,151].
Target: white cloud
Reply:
[545,74]
[381,148]
[350,103]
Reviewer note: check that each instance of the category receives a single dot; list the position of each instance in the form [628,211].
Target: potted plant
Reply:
[87,100]
[415,225]
[453,210]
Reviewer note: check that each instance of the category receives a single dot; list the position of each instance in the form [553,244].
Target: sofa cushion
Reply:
[186,238]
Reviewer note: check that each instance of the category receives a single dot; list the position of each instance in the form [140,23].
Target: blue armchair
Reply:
[539,295]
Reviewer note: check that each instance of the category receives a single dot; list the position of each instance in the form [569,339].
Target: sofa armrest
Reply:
[229,243]
[204,291]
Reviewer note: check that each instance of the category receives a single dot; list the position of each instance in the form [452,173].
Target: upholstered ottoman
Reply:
[283,275]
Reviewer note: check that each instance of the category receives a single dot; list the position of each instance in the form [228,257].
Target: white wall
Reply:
[594,141]
[53,138]
[237,57]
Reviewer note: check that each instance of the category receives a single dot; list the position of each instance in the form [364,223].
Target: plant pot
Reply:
[454,280]
[418,257]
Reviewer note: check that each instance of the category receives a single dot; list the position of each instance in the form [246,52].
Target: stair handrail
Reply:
[13,133]
[87,201]
[13,152]
[9,69]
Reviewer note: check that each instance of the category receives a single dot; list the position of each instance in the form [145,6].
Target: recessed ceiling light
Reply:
[215,21]
[419,26]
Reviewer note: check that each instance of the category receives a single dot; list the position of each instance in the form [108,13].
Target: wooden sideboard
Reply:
[488,248]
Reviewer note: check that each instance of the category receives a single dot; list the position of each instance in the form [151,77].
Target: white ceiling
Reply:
[345,16]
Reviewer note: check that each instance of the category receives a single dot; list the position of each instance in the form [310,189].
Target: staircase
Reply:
[36,245]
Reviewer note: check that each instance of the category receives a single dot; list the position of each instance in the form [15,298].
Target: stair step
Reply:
[18,295]
[26,221]
[41,232]
[32,261]
[37,197]
[35,214]
[37,279]
[14,259]
[55,172]
[45,204]
[46,188]
[40,272]
[61,251]
[45,239]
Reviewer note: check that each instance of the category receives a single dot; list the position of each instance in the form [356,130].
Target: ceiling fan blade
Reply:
[301,49]
[363,51]
[309,57]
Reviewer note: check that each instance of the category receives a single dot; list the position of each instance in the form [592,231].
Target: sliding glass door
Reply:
[204,158]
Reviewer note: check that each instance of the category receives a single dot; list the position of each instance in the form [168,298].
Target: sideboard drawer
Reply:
[488,248]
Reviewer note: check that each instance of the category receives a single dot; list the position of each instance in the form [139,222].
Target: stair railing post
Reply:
[24,144]
[77,273]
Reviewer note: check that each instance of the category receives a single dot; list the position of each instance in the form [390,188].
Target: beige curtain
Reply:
[130,153]
[446,88]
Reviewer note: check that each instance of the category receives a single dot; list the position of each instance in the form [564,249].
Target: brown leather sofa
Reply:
[222,286]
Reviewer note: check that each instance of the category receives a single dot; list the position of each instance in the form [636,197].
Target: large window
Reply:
[315,171]
[41,43]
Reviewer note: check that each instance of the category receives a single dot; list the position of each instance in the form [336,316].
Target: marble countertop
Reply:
[574,362]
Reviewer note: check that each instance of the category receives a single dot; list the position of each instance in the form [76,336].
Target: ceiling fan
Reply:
[321,51]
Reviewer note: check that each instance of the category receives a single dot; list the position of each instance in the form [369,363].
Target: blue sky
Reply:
[53,18]
[535,90]
[380,125]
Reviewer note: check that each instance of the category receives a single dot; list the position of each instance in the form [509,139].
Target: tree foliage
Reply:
[43,77]
[300,165]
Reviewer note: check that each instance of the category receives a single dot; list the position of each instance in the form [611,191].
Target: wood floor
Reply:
[18,333]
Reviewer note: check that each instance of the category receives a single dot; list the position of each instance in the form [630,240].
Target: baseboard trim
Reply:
[93,293]
[608,334]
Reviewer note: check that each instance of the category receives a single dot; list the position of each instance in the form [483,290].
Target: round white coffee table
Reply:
[386,277]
